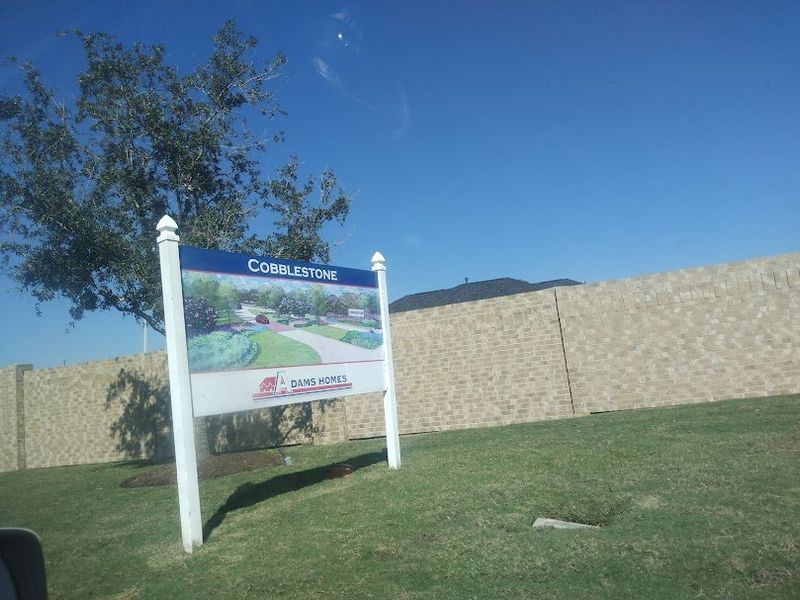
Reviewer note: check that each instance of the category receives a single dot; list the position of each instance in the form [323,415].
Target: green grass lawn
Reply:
[337,333]
[695,502]
[228,319]
[290,351]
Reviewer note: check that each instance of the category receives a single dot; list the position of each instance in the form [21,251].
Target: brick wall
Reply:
[696,335]
[119,409]
[97,412]
[724,331]
[489,362]
[475,364]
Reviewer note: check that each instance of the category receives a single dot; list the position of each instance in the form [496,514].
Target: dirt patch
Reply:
[214,466]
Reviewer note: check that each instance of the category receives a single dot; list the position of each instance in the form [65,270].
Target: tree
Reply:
[348,300]
[319,303]
[202,285]
[84,184]
[370,303]
[335,304]
[229,298]
[271,296]
[291,306]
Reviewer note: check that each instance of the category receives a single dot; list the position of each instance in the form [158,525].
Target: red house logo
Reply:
[273,385]
[267,386]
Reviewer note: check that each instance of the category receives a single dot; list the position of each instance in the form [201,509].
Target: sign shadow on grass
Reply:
[249,494]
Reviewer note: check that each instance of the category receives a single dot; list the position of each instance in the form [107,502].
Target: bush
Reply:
[221,350]
[200,316]
[282,320]
[306,324]
[369,323]
[262,319]
[365,339]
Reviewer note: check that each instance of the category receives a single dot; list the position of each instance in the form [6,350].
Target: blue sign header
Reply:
[216,261]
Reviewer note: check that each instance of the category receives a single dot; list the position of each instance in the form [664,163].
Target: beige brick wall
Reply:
[724,331]
[475,364]
[695,335]
[330,422]
[71,412]
[119,409]
[262,428]
[364,416]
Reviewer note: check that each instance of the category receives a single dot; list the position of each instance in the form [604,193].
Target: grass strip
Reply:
[694,502]
[280,351]
[336,333]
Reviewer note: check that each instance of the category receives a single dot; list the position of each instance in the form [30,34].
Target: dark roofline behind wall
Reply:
[468,292]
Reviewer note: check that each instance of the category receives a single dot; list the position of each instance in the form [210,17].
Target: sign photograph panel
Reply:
[262,331]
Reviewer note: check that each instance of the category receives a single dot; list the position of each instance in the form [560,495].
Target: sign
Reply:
[245,332]
[262,331]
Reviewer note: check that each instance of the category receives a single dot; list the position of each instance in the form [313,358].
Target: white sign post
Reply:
[389,399]
[180,390]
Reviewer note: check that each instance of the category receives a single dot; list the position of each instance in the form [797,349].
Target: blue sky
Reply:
[537,140]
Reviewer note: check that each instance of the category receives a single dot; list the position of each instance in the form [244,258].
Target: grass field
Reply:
[230,318]
[290,351]
[695,502]
[336,333]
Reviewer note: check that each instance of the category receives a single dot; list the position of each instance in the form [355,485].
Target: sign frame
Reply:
[261,348]
[181,387]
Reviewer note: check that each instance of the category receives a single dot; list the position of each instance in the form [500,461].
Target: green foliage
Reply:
[83,182]
[365,339]
[335,305]
[318,301]
[295,303]
[215,290]
[200,316]
[221,350]
[369,302]
[368,323]
[271,296]
[346,301]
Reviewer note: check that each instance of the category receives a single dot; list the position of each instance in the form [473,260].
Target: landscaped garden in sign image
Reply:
[237,322]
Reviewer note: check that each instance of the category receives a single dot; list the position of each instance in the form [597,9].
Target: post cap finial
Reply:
[167,223]
[166,230]
[378,262]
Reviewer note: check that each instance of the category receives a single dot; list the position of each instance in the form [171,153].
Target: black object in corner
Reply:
[22,573]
